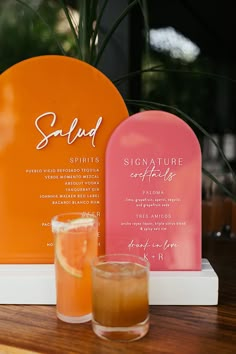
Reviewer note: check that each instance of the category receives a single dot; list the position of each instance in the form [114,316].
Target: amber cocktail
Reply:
[75,245]
[120,297]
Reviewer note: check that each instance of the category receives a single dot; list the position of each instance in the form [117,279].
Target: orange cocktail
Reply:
[120,297]
[75,245]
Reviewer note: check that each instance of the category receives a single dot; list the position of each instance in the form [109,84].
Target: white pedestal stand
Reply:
[185,288]
[35,284]
[27,284]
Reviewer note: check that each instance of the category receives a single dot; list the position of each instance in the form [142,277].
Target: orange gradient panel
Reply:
[56,116]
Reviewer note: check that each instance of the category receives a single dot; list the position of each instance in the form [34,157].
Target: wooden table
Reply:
[174,329]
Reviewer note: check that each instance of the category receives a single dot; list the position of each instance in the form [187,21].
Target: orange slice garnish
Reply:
[71,249]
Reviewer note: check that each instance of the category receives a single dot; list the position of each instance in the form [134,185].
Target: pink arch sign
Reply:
[153,191]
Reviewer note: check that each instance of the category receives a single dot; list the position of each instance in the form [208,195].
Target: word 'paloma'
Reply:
[72,134]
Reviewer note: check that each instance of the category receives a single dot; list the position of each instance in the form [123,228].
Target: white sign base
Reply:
[185,287]
[35,284]
[27,284]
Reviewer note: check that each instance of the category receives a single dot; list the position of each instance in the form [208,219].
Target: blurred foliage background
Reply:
[38,27]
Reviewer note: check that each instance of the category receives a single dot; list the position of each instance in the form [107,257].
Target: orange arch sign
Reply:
[56,116]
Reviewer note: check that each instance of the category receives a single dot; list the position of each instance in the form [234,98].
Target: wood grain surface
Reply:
[174,329]
[6,349]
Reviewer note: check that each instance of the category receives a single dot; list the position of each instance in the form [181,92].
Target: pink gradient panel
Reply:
[153,191]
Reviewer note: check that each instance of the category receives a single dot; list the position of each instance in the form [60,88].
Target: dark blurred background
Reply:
[192,42]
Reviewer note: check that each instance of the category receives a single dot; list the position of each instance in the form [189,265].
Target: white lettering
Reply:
[72,135]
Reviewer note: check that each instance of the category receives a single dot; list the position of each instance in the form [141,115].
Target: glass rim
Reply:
[83,214]
[60,221]
[118,257]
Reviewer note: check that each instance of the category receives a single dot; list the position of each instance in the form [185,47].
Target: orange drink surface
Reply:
[75,246]
[120,298]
